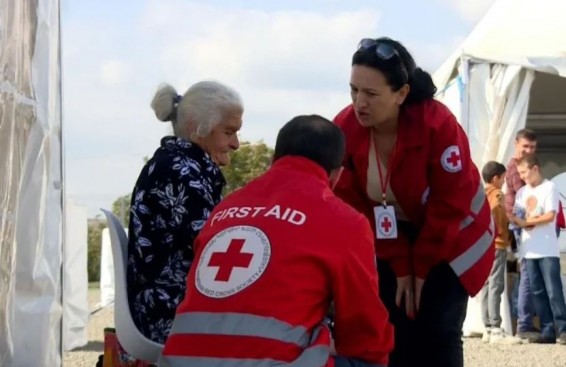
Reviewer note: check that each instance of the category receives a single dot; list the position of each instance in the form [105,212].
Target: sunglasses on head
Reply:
[383,50]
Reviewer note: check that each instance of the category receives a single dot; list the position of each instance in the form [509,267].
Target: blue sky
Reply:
[285,58]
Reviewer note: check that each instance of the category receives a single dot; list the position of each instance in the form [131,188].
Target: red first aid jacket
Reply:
[269,261]
[437,186]
[560,221]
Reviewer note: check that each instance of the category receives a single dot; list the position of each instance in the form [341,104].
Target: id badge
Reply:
[385,222]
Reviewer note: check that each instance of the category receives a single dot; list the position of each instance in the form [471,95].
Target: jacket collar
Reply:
[301,165]
[411,129]
[185,147]
[208,168]
[411,132]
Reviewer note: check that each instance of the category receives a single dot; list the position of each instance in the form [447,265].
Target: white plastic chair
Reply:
[129,336]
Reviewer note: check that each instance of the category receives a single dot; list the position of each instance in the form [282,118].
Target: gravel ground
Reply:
[87,356]
[476,353]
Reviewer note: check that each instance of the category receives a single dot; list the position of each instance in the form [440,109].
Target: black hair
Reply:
[492,169]
[527,134]
[399,70]
[312,137]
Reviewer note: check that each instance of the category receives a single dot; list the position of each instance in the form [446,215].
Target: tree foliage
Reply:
[121,208]
[246,163]
[95,227]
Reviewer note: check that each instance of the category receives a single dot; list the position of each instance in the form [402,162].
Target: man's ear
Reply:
[334,177]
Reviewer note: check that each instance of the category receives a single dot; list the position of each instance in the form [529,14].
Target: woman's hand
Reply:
[409,288]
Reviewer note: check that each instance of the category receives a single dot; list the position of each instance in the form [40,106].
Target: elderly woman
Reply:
[174,195]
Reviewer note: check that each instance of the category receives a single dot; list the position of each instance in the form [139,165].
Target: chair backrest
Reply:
[129,336]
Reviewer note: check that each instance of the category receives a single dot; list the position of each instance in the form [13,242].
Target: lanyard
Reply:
[383,181]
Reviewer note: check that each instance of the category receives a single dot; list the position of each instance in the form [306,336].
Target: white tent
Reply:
[43,300]
[510,73]
[510,70]
[75,277]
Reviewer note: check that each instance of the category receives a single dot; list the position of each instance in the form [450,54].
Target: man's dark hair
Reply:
[492,169]
[530,160]
[312,137]
[526,134]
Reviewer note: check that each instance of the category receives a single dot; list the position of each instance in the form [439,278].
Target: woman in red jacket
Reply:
[408,168]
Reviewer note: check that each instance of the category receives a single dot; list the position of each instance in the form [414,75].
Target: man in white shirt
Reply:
[539,246]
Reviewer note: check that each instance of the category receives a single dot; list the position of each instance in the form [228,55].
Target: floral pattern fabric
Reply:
[173,197]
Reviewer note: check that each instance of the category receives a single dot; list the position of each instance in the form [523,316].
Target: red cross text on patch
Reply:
[454,159]
[386,224]
[232,258]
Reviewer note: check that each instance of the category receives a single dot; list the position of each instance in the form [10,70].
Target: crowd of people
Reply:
[359,246]
[529,217]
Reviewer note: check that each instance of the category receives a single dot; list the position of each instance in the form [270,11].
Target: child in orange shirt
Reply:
[493,174]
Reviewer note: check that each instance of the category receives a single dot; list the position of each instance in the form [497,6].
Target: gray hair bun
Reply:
[164,102]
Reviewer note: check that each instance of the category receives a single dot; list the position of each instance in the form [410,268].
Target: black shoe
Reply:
[544,340]
[528,335]
[562,339]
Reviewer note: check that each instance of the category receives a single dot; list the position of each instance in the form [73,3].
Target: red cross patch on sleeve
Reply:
[451,159]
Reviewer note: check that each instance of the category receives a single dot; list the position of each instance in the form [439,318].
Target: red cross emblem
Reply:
[232,258]
[452,159]
[386,224]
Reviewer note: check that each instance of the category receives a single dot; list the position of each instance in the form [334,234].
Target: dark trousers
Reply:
[349,362]
[434,338]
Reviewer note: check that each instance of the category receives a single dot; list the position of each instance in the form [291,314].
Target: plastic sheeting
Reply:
[75,277]
[30,184]
[529,33]
[106,270]
[498,100]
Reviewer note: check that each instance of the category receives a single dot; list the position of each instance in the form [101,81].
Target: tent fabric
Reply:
[106,270]
[31,175]
[498,100]
[107,285]
[528,33]
[491,102]
[75,277]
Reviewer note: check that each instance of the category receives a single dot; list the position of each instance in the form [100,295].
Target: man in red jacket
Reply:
[272,258]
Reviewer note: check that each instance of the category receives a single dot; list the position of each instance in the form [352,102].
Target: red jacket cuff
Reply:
[400,266]
[422,266]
